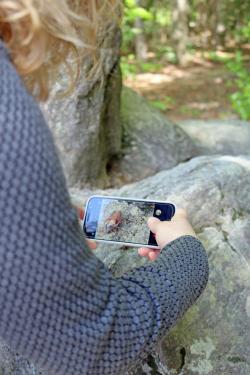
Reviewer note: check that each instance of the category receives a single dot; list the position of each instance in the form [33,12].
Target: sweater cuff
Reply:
[180,241]
[186,262]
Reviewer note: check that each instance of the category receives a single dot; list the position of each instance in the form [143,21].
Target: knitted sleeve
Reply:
[59,304]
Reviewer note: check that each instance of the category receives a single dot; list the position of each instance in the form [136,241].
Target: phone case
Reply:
[122,243]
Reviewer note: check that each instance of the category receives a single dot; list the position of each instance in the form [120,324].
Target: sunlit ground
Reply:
[201,90]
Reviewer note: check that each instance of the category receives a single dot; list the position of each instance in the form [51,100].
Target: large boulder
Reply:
[225,137]
[86,124]
[151,143]
[213,337]
[14,364]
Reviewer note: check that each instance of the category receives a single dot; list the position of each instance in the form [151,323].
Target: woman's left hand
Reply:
[92,244]
[149,253]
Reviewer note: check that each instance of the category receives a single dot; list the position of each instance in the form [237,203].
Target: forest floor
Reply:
[199,91]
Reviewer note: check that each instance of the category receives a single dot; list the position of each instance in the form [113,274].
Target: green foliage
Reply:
[210,23]
[217,57]
[130,67]
[151,67]
[159,105]
[128,70]
[164,104]
[131,12]
[193,112]
[156,16]
[166,53]
[245,32]
[162,16]
[240,99]
[212,27]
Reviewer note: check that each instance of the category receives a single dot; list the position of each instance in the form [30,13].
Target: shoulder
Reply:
[24,133]
[19,111]
[11,84]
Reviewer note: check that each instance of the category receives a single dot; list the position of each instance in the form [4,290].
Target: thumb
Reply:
[153,223]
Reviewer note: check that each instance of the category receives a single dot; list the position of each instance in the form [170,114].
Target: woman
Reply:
[59,305]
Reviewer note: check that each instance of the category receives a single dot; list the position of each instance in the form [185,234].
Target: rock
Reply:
[86,124]
[13,364]
[80,197]
[225,137]
[150,142]
[213,337]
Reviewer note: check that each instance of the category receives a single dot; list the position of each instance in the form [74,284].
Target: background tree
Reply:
[180,30]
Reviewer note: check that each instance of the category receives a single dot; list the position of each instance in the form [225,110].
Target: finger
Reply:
[143,251]
[153,223]
[92,244]
[80,212]
[153,255]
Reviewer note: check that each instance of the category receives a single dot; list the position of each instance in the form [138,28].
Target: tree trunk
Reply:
[141,48]
[180,30]
[215,25]
[210,24]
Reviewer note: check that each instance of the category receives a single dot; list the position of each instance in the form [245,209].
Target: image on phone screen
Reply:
[123,220]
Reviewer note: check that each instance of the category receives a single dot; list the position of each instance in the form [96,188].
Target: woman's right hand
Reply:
[167,231]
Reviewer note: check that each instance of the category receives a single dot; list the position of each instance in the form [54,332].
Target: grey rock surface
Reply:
[13,364]
[213,337]
[225,137]
[86,124]
[150,142]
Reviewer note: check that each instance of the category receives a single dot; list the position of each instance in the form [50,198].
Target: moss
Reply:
[236,359]
[239,214]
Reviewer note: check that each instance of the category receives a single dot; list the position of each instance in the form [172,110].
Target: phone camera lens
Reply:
[158,212]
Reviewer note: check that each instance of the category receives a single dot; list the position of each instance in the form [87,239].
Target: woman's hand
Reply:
[92,244]
[167,231]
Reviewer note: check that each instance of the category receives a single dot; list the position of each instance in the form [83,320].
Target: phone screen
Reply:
[123,220]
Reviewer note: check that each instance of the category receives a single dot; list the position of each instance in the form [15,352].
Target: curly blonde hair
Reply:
[41,34]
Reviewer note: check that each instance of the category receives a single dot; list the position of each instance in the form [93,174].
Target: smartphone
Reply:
[124,220]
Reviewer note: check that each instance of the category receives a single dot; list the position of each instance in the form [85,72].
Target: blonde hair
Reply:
[41,34]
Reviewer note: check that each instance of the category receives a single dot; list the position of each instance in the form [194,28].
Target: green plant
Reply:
[167,53]
[240,99]
[186,110]
[245,31]
[151,67]
[164,104]
[128,66]
[131,12]
[219,57]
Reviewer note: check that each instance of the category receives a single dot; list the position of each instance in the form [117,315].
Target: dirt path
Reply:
[200,91]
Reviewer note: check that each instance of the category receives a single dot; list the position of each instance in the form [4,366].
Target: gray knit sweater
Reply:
[59,305]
